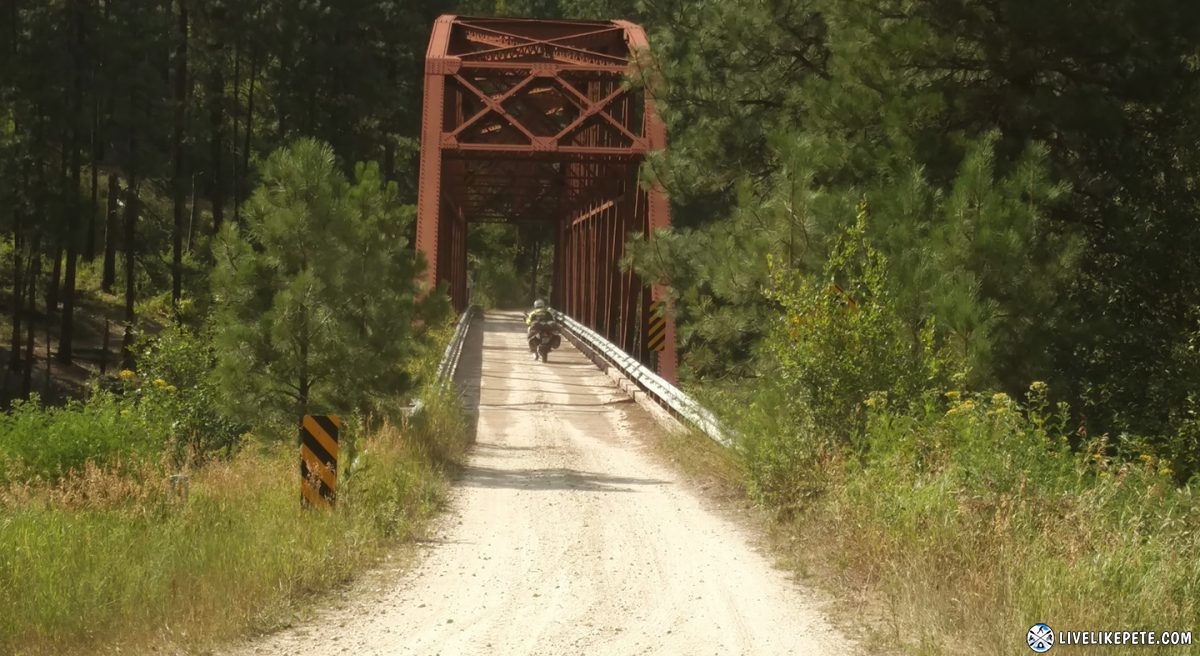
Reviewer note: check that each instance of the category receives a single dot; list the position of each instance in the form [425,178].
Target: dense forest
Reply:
[1029,170]
[931,259]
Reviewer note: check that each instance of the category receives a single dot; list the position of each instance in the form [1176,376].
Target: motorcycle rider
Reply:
[539,313]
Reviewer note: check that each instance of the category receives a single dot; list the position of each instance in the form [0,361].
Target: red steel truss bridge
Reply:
[543,121]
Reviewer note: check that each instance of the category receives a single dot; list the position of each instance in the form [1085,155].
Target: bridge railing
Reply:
[451,356]
[674,400]
[453,353]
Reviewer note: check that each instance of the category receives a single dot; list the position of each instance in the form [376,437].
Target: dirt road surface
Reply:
[565,536]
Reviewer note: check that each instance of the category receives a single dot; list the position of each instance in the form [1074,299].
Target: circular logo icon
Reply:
[1040,638]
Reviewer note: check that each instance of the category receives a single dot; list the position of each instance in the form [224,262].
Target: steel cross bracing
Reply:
[530,121]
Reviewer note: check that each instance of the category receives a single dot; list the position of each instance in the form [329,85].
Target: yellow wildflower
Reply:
[1000,398]
[961,408]
[126,374]
[1038,386]
[158,382]
[953,395]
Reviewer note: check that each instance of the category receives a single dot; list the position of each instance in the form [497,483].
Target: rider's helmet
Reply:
[539,304]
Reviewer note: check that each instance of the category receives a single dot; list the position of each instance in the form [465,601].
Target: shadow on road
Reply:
[534,405]
[557,383]
[550,479]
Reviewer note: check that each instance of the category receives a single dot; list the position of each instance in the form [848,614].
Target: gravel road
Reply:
[566,536]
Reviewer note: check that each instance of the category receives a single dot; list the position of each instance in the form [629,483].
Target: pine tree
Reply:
[316,302]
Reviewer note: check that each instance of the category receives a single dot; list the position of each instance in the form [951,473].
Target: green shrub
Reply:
[175,385]
[48,442]
[975,494]
[839,339]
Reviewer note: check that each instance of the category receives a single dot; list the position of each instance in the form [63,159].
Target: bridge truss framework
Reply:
[535,121]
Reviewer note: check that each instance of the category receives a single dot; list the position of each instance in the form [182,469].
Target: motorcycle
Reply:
[544,336]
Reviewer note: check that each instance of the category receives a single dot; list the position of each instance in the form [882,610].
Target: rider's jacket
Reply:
[538,314]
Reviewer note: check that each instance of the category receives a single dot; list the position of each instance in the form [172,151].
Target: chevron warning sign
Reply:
[318,460]
[656,330]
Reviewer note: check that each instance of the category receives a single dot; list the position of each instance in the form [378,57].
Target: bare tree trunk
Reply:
[74,206]
[109,278]
[97,144]
[19,263]
[131,215]
[35,271]
[89,246]
[181,77]
[236,113]
[241,190]
[55,280]
[216,120]
[191,231]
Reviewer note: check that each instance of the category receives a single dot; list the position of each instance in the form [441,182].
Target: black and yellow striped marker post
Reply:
[318,460]
[656,329]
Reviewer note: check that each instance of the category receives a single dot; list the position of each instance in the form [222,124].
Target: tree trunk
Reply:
[181,74]
[19,263]
[97,143]
[216,120]
[35,270]
[241,186]
[55,281]
[235,114]
[305,386]
[130,242]
[389,143]
[74,207]
[191,231]
[131,215]
[109,278]
[89,246]
[18,291]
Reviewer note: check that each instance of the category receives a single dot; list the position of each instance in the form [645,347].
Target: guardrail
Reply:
[451,356]
[449,363]
[667,395]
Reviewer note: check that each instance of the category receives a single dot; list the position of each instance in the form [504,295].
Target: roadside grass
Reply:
[962,528]
[112,559]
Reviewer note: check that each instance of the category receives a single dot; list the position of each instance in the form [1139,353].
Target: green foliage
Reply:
[233,556]
[1034,200]
[176,367]
[37,441]
[316,299]
[979,494]
[840,337]
[509,265]
[170,407]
